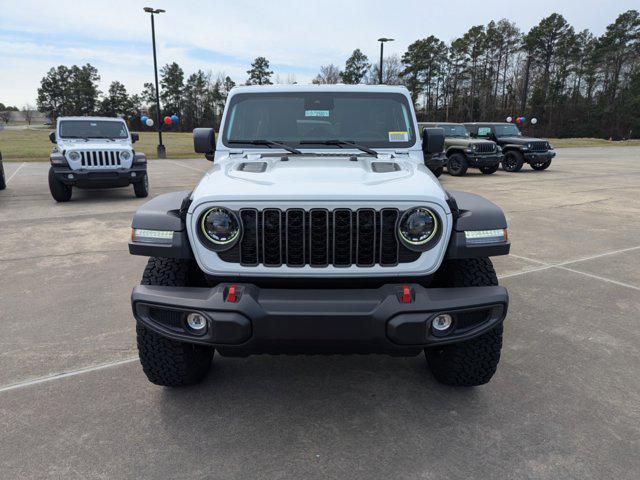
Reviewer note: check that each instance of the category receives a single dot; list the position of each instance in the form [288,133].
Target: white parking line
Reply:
[14,173]
[73,373]
[187,166]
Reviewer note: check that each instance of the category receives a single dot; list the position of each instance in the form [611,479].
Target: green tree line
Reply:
[573,82]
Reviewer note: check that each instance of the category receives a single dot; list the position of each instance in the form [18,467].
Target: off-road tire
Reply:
[472,362]
[141,187]
[437,171]
[59,191]
[3,183]
[457,165]
[513,161]
[541,166]
[489,170]
[164,361]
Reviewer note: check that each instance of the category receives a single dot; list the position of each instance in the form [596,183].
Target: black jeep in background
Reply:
[517,149]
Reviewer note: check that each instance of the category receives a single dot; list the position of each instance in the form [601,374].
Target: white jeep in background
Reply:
[319,229]
[95,152]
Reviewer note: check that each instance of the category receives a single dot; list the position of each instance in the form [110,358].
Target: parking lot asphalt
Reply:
[565,402]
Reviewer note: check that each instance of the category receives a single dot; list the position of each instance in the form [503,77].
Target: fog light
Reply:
[133,174]
[70,177]
[197,322]
[442,323]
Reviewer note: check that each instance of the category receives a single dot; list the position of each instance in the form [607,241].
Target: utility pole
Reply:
[162,152]
[382,41]
[525,89]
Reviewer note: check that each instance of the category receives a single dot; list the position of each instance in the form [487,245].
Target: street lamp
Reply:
[382,41]
[162,152]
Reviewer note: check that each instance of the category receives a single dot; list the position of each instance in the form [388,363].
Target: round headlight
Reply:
[474,146]
[220,226]
[125,155]
[417,228]
[74,156]
[528,145]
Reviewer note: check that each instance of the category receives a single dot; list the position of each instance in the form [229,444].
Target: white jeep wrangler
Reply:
[319,229]
[95,152]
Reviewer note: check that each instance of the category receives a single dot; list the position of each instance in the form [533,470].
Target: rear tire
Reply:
[513,161]
[489,170]
[59,191]
[164,361]
[474,361]
[437,171]
[541,166]
[141,188]
[3,184]
[457,165]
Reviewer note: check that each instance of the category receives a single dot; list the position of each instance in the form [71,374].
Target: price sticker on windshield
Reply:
[316,113]
[398,136]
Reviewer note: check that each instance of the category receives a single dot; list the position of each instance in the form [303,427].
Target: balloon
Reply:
[522,119]
[534,121]
[509,119]
[144,119]
[149,122]
[167,120]
[174,119]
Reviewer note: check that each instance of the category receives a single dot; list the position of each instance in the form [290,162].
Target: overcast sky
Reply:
[296,36]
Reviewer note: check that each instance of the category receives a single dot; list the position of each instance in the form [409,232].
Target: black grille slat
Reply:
[342,237]
[249,242]
[295,237]
[271,238]
[365,237]
[319,238]
[389,245]
[539,146]
[485,148]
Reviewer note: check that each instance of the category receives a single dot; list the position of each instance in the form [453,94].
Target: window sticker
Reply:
[398,136]
[316,113]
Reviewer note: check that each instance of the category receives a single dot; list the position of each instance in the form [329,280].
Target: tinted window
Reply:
[371,119]
[507,131]
[92,129]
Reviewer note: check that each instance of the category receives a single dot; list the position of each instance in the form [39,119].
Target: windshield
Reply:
[382,120]
[454,131]
[92,129]
[507,131]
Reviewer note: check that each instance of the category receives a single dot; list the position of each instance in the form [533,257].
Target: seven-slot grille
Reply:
[485,147]
[319,238]
[539,146]
[100,158]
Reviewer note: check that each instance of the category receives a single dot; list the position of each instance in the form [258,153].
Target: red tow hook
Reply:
[405,297]
[232,294]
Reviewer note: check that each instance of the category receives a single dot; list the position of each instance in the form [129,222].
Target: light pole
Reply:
[382,41]
[162,152]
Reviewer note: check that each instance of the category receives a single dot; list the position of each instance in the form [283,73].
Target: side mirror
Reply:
[432,140]
[135,136]
[204,141]
[52,137]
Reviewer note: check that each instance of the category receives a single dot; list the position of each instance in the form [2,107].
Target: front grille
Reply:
[319,238]
[100,158]
[485,147]
[538,146]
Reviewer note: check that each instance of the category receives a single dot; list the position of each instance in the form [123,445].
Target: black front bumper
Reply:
[491,160]
[100,178]
[319,321]
[538,157]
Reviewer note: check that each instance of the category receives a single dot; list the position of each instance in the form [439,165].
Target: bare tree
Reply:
[28,112]
[5,116]
[329,74]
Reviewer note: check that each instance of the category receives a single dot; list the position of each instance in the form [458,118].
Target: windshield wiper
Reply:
[340,143]
[269,143]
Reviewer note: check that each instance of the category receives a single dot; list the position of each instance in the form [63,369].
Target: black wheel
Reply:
[141,187]
[541,166]
[457,165]
[59,191]
[513,161]
[472,362]
[3,183]
[168,362]
[489,170]
[437,171]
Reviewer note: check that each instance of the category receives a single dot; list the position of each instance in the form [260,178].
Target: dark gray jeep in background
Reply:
[517,148]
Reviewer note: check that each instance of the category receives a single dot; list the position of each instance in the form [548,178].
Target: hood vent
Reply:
[252,167]
[385,167]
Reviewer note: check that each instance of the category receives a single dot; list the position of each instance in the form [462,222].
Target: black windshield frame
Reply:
[102,128]
[405,112]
